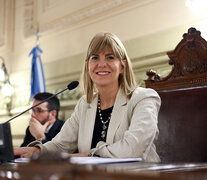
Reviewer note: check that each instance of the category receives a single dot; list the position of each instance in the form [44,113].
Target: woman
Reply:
[115,118]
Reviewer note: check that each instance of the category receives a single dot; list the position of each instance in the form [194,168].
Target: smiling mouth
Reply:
[102,73]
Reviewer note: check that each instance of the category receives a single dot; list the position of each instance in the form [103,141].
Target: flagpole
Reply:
[37,35]
[37,73]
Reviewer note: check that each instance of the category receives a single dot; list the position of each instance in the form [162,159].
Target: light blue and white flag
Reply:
[37,73]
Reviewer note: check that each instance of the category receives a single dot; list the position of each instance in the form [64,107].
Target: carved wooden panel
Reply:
[189,64]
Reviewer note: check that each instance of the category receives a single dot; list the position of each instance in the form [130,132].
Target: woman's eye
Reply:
[94,57]
[110,57]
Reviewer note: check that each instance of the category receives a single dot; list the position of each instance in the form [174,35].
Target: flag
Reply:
[37,73]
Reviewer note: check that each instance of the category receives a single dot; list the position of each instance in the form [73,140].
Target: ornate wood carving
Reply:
[189,64]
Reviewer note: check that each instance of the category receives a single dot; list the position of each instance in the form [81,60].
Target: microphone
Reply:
[70,86]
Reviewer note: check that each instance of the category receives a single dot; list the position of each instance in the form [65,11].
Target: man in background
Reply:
[44,123]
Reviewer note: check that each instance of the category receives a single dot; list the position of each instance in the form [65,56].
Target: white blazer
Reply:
[131,132]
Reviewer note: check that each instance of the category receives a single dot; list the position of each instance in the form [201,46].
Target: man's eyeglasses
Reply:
[39,110]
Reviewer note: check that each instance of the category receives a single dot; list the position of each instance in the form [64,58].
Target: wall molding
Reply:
[7,11]
[77,18]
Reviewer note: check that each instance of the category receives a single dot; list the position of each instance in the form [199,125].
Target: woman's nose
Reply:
[101,63]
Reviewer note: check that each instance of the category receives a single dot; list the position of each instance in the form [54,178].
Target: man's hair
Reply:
[53,103]
[101,42]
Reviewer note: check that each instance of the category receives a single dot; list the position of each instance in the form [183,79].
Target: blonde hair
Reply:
[99,43]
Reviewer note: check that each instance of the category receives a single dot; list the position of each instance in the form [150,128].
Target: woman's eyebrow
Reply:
[109,54]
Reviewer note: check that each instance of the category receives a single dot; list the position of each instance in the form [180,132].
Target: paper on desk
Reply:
[89,160]
[98,160]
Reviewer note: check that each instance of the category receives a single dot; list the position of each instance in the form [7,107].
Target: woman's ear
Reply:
[125,64]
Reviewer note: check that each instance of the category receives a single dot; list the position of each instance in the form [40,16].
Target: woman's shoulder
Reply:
[144,90]
[141,93]
[83,99]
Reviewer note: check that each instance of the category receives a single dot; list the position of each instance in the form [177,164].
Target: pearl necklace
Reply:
[104,127]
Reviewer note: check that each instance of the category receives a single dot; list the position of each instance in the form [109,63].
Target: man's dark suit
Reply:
[49,135]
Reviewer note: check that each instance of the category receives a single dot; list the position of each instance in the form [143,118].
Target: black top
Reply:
[98,126]
[56,127]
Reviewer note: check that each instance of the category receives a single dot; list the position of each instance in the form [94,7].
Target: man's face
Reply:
[41,112]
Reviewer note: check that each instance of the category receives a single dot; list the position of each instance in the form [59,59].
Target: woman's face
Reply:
[104,69]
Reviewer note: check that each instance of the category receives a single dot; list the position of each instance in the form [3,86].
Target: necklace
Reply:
[104,123]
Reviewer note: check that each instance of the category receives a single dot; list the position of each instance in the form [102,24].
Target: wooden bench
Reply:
[182,119]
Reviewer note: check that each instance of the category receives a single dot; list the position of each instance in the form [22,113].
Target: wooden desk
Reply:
[64,170]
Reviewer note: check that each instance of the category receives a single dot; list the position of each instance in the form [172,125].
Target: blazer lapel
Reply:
[120,103]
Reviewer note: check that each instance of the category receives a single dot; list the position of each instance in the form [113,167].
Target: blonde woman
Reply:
[115,118]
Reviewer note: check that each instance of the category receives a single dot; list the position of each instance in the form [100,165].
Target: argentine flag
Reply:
[37,73]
